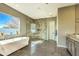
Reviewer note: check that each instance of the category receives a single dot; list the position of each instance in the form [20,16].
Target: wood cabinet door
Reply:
[77,11]
[77,19]
[71,46]
[77,51]
[77,48]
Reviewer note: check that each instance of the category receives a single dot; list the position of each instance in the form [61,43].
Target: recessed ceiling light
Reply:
[16,5]
[50,13]
[38,7]
[46,3]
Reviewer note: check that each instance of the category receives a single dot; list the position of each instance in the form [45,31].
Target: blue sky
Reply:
[4,18]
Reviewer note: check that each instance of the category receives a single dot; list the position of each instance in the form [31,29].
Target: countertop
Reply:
[74,37]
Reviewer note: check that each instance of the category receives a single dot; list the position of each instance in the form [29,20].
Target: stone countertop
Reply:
[74,37]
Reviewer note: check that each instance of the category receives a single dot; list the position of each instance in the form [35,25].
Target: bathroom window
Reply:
[33,28]
[9,25]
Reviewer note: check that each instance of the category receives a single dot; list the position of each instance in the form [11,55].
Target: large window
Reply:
[33,28]
[9,25]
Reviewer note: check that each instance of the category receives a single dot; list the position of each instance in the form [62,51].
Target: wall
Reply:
[23,18]
[66,23]
[42,24]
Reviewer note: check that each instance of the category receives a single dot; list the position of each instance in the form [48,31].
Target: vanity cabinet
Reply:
[71,41]
[70,46]
[77,29]
[77,48]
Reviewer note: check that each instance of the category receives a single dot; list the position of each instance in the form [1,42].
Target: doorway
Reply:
[52,30]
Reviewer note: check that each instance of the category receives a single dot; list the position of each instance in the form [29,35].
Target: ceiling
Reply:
[38,10]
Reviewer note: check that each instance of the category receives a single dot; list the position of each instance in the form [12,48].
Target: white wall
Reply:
[22,26]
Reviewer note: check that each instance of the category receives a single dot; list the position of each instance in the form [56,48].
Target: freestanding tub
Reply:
[11,45]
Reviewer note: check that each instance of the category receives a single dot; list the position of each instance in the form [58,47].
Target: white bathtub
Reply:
[11,45]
